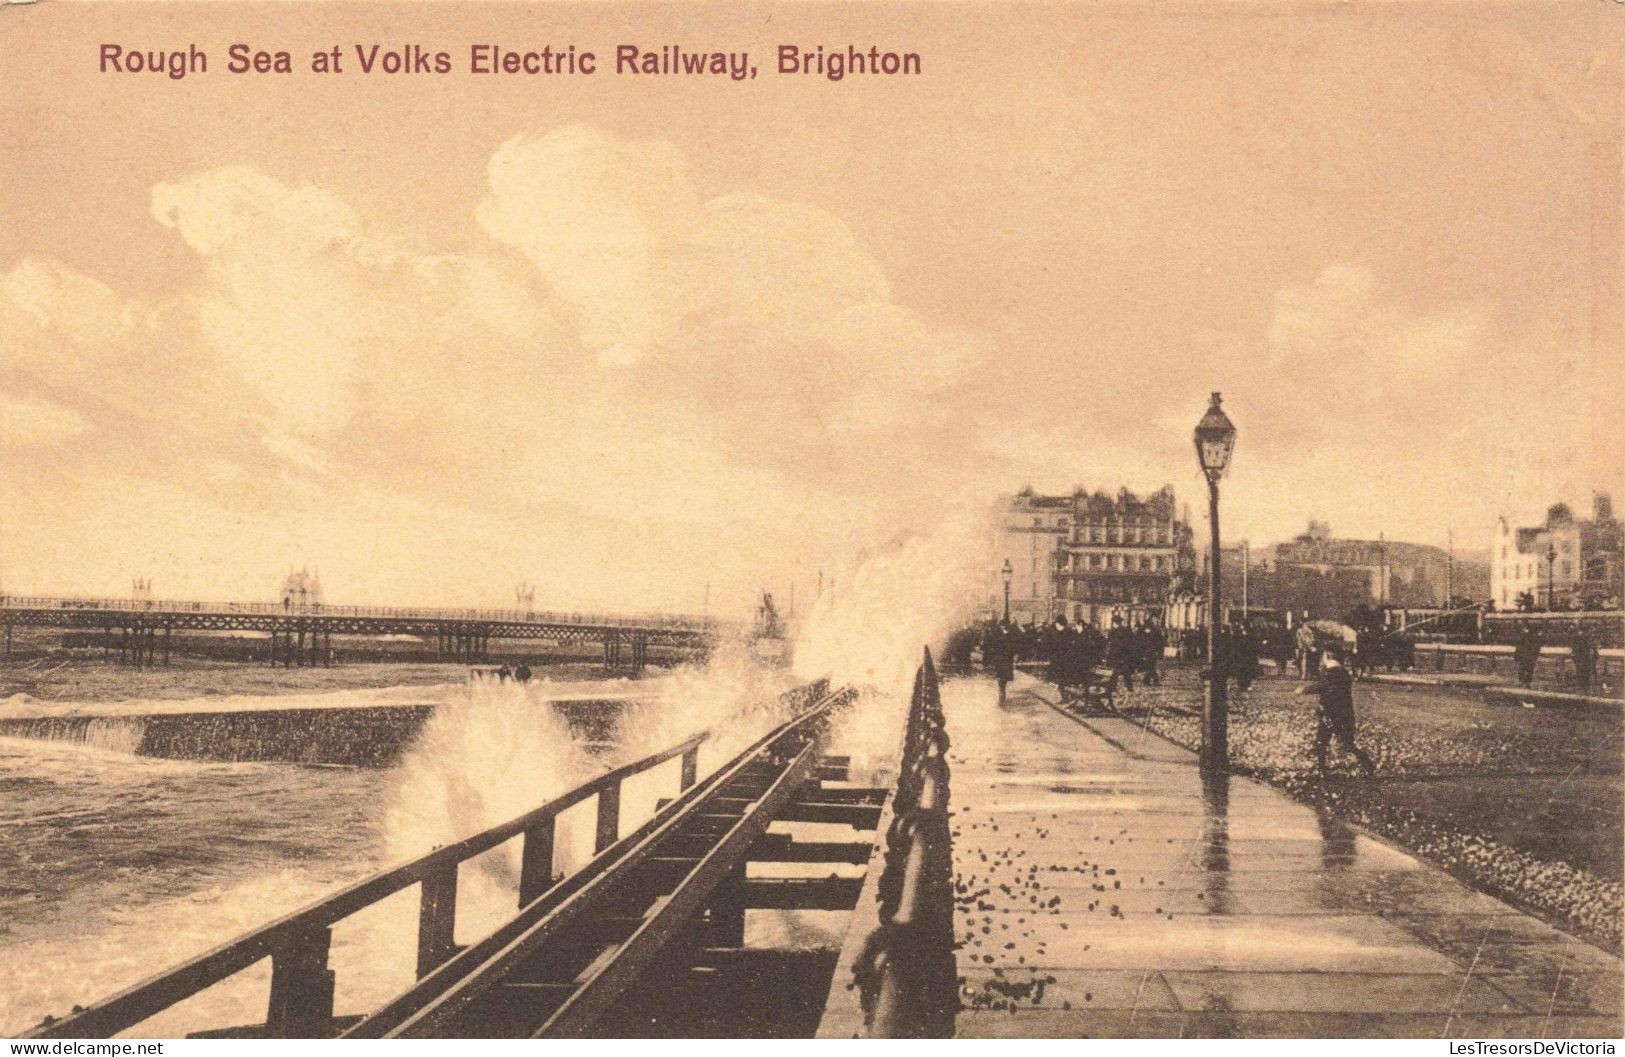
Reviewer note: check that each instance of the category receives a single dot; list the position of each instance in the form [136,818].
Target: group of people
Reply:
[1582,651]
[519,674]
[1077,656]
[1074,653]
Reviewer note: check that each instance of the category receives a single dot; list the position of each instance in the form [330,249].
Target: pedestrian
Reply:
[1120,655]
[1057,656]
[999,655]
[1080,662]
[1243,657]
[521,674]
[1336,719]
[1304,637]
[1584,652]
[1526,653]
[1150,654]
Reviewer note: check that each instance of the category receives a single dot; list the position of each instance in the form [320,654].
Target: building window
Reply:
[1567,566]
[1038,522]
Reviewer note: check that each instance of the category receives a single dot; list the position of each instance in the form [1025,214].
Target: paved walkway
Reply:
[1105,890]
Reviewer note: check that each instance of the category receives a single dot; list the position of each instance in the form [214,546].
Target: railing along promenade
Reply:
[899,949]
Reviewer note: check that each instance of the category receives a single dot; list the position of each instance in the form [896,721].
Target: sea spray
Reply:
[733,699]
[495,753]
[898,599]
[872,632]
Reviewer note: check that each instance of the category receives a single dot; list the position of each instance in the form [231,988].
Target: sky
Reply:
[642,342]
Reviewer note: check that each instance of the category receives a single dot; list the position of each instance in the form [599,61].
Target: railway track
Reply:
[566,960]
[664,902]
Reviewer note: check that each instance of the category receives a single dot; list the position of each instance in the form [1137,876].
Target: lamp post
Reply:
[1007,573]
[1551,574]
[1215,439]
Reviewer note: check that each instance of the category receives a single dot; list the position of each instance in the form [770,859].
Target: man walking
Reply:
[1527,655]
[999,655]
[1336,720]
[1150,654]
[1304,639]
[1120,655]
[1584,652]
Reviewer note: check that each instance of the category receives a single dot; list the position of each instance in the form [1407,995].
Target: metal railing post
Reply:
[536,861]
[437,919]
[609,817]
[301,1001]
[691,768]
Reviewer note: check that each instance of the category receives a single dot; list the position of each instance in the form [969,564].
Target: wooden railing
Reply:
[301,997]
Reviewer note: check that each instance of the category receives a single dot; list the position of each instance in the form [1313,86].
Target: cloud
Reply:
[623,357]
[1405,418]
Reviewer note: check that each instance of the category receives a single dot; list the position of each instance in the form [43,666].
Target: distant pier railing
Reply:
[302,633]
[515,616]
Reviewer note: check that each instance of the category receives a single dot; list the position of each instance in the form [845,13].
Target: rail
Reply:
[300,1004]
[905,974]
[301,997]
[509,616]
[571,954]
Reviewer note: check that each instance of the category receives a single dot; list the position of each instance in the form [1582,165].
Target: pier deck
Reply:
[1105,890]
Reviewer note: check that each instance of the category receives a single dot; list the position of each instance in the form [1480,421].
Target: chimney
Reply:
[1602,507]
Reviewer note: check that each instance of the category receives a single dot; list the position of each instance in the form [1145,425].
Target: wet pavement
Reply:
[1104,889]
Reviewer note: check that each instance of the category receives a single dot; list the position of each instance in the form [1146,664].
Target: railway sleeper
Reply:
[782,847]
[802,893]
[820,791]
[858,816]
[712,824]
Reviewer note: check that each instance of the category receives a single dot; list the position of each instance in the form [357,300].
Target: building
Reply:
[1564,563]
[1031,533]
[1350,572]
[300,589]
[1092,556]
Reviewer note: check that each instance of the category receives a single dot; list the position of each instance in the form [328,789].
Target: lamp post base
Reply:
[1215,752]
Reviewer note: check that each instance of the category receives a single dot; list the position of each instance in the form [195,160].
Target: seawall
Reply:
[366,736]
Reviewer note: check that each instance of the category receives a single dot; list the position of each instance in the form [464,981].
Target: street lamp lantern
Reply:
[1215,440]
[1007,572]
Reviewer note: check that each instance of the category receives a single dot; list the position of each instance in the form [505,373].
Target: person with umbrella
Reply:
[1336,719]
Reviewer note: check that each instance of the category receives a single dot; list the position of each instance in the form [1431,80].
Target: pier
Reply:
[143,632]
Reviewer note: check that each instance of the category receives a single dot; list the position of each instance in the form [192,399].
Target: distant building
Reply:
[1564,563]
[301,588]
[1379,571]
[1092,556]
[1031,533]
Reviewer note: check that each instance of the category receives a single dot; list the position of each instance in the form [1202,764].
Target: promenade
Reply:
[1105,890]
